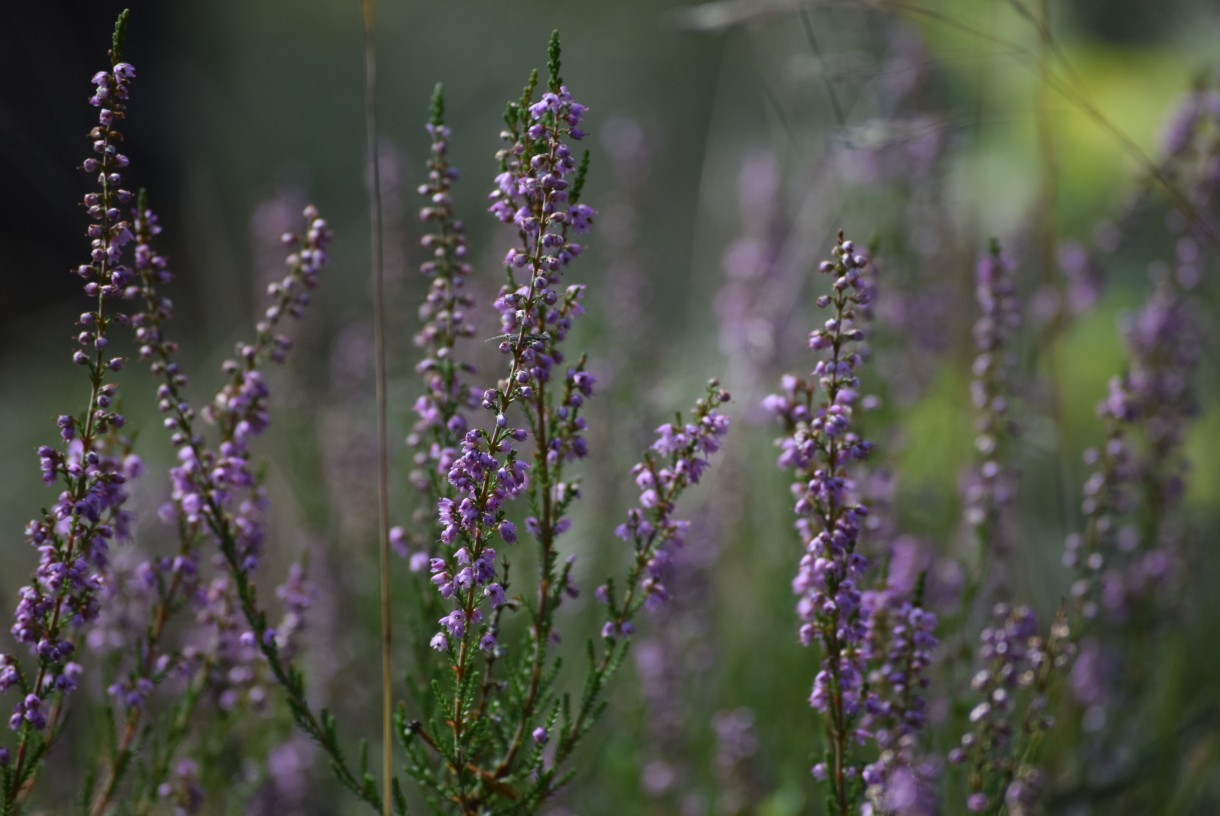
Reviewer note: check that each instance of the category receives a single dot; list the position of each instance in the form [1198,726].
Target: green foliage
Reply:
[118,43]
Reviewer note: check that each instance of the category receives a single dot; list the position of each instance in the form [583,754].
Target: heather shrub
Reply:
[441,534]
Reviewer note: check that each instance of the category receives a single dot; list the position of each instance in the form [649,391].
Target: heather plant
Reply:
[875,645]
[983,625]
[502,709]
[1006,708]
[123,606]
[480,741]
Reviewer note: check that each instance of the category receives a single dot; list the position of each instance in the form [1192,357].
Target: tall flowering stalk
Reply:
[215,489]
[506,732]
[215,498]
[159,588]
[1014,686]
[216,494]
[443,407]
[900,640]
[990,487]
[537,192]
[675,654]
[1129,544]
[876,644]
[223,660]
[677,460]
[820,448]
[73,538]
[1129,556]
[991,481]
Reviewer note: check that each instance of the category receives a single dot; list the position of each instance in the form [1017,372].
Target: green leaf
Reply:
[400,800]
[527,95]
[436,108]
[578,183]
[119,41]
[552,62]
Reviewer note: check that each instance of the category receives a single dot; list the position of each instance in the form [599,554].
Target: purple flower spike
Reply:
[820,447]
[1018,664]
[676,461]
[991,388]
[474,474]
[73,537]
[442,409]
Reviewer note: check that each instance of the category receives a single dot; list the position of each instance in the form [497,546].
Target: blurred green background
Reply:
[238,103]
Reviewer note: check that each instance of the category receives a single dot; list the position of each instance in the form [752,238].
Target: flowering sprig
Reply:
[819,448]
[158,588]
[216,495]
[1108,497]
[1128,542]
[442,408]
[1019,667]
[73,538]
[1129,556]
[991,481]
[899,643]
[216,492]
[509,733]
[533,194]
[685,450]
[677,460]
[990,487]
[536,192]
[224,658]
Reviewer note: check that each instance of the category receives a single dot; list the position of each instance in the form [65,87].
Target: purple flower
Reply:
[298,595]
[454,623]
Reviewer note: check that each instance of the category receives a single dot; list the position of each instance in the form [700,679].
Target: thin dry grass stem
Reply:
[383,490]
